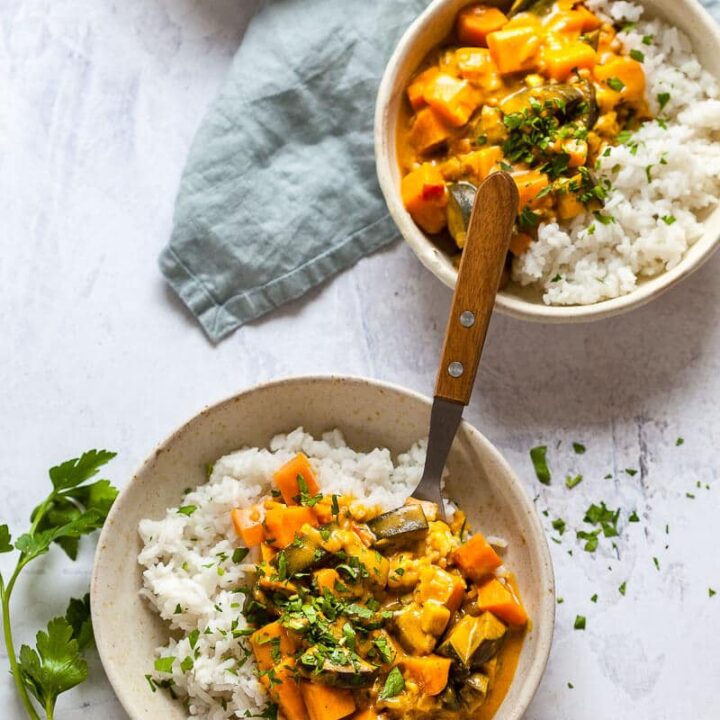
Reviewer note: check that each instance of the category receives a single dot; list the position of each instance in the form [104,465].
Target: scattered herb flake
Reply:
[580,622]
[633,517]
[394,684]
[579,448]
[663,99]
[571,482]
[594,598]
[711,592]
[679,442]
[656,562]
[632,472]
[669,220]
[538,455]
[637,55]
[164,664]
[559,525]
[239,554]
[187,510]
[623,588]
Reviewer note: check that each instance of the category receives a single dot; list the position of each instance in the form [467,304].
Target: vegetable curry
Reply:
[366,615]
[540,91]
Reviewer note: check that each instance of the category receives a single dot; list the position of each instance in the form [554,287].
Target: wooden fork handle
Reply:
[481,266]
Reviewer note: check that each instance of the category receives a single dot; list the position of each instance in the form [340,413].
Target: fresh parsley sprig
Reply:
[75,507]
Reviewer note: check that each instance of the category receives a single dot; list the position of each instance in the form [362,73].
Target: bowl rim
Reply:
[432,257]
[544,624]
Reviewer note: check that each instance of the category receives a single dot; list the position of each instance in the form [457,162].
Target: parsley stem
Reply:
[5,593]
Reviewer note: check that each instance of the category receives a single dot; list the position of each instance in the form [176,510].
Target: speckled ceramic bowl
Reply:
[428,31]
[370,414]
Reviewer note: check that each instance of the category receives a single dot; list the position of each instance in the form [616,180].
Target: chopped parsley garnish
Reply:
[663,99]
[690,495]
[187,664]
[647,40]
[711,592]
[164,664]
[591,539]
[615,84]
[527,219]
[538,455]
[187,510]
[648,172]
[669,220]
[623,587]
[656,562]
[559,525]
[571,686]
[394,684]
[580,622]
[632,472]
[594,598]
[384,649]
[579,448]
[239,554]
[679,442]
[335,507]
[637,55]
[603,516]
[560,600]
[571,482]
[604,219]
[633,517]
[305,498]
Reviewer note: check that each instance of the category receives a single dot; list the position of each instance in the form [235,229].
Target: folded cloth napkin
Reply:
[279,192]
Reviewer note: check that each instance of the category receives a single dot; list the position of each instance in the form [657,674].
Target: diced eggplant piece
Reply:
[355,673]
[537,7]
[461,196]
[474,640]
[410,633]
[474,691]
[449,699]
[592,39]
[302,555]
[403,525]
[570,102]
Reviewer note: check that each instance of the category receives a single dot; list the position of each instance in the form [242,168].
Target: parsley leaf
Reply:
[615,84]
[55,665]
[73,472]
[579,448]
[74,507]
[580,622]
[637,55]
[663,99]
[394,684]
[538,455]
[5,540]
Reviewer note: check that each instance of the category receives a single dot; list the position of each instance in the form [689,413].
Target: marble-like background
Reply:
[99,100]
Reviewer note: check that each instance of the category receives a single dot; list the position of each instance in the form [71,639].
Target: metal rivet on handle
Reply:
[455,369]
[467,318]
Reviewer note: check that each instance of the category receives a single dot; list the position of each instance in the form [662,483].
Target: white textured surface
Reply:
[98,104]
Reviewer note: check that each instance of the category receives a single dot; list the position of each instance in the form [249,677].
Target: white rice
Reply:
[585,261]
[188,560]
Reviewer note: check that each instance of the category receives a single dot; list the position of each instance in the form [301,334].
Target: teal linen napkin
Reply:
[279,192]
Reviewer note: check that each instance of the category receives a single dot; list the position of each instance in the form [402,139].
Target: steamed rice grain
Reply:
[190,576]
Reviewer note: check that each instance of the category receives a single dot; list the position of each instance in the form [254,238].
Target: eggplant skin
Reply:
[401,525]
[474,640]
[461,198]
[358,674]
[537,7]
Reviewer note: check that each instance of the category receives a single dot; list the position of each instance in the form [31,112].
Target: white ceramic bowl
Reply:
[370,414]
[428,31]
